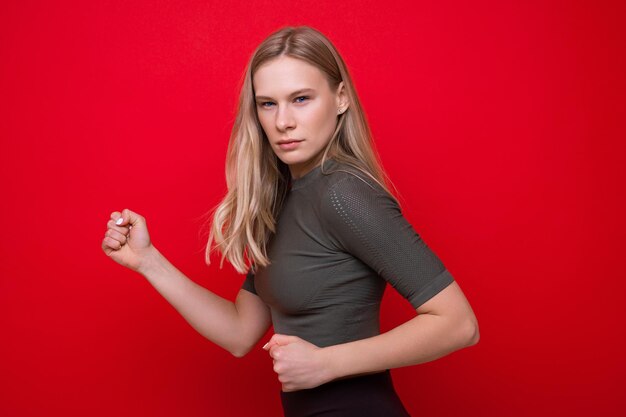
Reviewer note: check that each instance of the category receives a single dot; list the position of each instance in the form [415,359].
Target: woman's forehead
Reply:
[284,75]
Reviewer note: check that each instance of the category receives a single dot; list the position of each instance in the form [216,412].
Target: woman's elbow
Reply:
[473,333]
[241,351]
[239,354]
[243,348]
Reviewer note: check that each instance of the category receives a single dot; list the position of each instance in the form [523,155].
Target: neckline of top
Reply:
[309,177]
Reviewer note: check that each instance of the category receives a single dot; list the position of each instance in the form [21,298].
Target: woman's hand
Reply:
[298,363]
[127,241]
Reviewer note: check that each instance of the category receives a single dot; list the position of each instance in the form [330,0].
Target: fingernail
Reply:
[119,221]
[265,346]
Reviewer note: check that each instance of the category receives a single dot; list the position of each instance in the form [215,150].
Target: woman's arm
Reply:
[236,327]
[445,323]
[364,221]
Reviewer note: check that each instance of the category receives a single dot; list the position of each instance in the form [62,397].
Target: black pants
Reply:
[371,395]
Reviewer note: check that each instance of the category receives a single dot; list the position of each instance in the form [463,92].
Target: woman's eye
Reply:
[268,104]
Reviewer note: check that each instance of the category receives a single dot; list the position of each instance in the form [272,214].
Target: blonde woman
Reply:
[309,217]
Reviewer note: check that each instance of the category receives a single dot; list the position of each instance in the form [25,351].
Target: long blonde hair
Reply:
[257,181]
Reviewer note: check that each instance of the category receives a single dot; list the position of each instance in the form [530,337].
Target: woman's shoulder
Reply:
[352,198]
[346,179]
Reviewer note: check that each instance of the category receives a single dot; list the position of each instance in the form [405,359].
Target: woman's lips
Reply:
[289,145]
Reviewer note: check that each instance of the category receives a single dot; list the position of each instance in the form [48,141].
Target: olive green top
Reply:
[340,239]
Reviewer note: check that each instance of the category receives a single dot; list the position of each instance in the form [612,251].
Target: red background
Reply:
[501,123]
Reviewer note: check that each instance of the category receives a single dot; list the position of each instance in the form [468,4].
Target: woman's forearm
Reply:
[421,339]
[214,317]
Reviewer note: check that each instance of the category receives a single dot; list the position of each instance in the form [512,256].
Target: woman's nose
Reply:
[284,119]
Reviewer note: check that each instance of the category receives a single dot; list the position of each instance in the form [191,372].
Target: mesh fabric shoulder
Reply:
[361,218]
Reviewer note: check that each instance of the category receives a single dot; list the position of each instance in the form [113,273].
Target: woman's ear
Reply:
[342,98]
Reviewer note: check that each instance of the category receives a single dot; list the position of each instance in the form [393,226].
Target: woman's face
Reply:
[295,103]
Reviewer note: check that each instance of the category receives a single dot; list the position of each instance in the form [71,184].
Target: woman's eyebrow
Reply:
[295,93]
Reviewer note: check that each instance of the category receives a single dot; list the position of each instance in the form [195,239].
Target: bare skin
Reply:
[236,327]
[294,100]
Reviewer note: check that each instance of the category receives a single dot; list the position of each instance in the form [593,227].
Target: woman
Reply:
[309,216]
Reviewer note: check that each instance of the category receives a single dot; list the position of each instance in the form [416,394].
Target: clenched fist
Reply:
[298,363]
[127,240]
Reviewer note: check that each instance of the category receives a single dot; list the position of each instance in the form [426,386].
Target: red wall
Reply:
[501,123]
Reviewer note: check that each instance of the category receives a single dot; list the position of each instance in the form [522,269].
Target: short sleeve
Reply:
[248,283]
[364,220]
